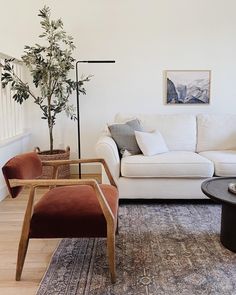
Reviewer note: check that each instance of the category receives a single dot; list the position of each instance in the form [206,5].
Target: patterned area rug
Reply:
[161,249]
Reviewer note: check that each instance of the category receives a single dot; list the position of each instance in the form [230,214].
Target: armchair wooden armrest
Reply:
[57,163]
[33,183]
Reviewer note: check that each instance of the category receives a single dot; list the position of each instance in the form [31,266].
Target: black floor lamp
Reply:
[77,97]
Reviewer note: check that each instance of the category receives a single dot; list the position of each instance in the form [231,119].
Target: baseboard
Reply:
[3,192]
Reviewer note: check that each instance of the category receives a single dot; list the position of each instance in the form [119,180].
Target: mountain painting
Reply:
[188,87]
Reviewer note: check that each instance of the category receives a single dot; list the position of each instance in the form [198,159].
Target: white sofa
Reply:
[200,146]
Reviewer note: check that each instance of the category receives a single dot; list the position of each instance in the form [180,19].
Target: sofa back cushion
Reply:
[124,136]
[178,130]
[216,132]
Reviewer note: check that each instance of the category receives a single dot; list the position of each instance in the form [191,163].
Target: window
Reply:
[11,112]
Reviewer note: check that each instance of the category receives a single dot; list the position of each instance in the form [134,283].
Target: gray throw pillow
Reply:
[124,136]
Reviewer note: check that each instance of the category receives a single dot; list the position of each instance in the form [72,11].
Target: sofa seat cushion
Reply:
[170,164]
[224,161]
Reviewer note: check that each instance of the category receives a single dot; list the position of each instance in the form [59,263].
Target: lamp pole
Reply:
[78,102]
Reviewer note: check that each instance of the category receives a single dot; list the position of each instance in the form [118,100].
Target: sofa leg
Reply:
[117,226]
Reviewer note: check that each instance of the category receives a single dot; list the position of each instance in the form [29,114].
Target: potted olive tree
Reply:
[49,65]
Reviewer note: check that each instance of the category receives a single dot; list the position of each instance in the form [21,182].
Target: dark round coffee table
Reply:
[217,189]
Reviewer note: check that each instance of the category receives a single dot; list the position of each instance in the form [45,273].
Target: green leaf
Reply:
[50,65]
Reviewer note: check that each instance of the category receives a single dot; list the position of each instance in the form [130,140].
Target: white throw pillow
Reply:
[151,143]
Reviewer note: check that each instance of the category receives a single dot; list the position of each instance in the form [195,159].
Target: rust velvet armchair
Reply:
[71,208]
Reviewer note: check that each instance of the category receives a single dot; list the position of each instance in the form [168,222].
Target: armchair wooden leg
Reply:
[22,249]
[111,254]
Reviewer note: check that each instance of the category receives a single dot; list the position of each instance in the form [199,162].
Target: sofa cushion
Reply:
[170,164]
[123,135]
[151,143]
[178,130]
[224,162]
[216,132]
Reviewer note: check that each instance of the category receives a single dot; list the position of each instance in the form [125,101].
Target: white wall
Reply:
[145,38]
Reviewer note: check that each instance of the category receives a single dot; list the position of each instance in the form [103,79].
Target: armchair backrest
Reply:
[24,166]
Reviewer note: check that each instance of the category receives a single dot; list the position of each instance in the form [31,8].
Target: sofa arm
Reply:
[106,148]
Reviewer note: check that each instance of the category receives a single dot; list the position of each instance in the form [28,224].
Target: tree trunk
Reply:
[50,125]
[51,138]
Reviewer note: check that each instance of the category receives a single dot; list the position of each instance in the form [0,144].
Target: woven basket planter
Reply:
[63,171]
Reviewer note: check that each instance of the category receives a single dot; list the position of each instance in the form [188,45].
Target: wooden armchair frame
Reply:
[35,183]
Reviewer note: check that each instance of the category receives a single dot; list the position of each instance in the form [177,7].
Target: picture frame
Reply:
[187,87]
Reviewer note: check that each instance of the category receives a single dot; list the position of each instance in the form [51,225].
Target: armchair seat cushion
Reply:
[72,211]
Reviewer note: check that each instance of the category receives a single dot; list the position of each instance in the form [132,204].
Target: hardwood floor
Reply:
[39,251]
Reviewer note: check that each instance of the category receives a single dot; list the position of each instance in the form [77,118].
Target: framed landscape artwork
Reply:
[187,87]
